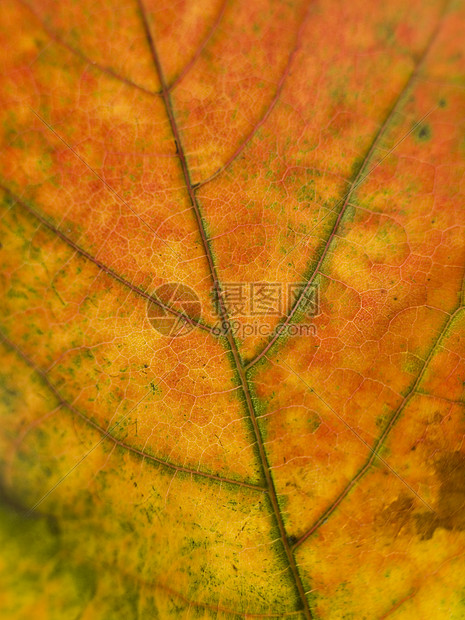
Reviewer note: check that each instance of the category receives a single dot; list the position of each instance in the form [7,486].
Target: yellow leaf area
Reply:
[232,473]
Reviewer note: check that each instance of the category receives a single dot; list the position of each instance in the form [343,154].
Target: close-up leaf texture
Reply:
[206,472]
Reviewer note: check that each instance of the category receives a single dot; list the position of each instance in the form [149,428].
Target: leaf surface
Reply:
[222,473]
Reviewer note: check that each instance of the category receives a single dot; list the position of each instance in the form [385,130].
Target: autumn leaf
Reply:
[233,310]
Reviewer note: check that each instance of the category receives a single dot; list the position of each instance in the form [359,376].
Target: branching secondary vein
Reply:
[225,320]
[106,433]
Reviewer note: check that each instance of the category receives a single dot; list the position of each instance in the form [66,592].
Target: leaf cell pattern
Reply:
[223,475]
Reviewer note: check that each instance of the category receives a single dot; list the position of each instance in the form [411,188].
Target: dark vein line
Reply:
[106,434]
[217,608]
[359,437]
[459,403]
[380,441]
[268,110]
[225,320]
[201,47]
[102,266]
[88,453]
[54,36]
[92,63]
[359,178]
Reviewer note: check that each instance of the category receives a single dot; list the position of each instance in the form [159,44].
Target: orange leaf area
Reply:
[233,310]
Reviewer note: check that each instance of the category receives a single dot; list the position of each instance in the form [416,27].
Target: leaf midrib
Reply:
[238,366]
